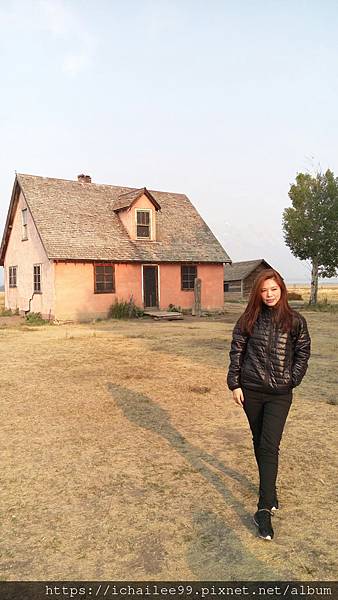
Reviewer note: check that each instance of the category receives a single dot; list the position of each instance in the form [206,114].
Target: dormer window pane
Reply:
[143,224]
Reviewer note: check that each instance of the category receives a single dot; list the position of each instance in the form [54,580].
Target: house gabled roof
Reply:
[127,199]
[240,270]
[77,221]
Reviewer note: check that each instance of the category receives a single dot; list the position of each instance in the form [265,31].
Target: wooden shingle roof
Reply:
[125,200]
[76,221]
[240,270]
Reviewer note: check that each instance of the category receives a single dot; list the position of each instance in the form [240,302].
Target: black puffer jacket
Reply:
[269,360]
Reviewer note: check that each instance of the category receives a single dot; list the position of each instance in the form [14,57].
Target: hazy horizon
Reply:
[215,100]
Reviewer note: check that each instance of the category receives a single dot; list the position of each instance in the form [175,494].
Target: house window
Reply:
[188,276]
[104,276]
[37,279]
[143,223]
[12,277]
[24,213]
[226,287]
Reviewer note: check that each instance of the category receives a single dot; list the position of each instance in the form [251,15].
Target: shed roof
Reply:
[240,270]
[76,221]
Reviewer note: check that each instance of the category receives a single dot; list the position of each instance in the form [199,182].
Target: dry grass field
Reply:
[326,293]
[124,457]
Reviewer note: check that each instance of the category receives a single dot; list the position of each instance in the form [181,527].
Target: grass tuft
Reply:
[294,296]
[125,310]
[173,308]
[34,318]
[199,389]
[8,312]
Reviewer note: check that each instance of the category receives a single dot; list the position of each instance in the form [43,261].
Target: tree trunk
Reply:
[314,281]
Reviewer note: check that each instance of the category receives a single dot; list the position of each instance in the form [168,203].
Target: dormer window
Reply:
[137,211]
[143,224]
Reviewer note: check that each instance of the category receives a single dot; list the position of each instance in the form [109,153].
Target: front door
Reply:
[150,290]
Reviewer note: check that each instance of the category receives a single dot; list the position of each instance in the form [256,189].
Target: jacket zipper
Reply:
[266,377]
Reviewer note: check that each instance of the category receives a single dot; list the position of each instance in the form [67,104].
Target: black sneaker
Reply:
[262,518]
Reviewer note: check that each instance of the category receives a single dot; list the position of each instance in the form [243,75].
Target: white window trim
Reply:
[16,276]
[148,210]
[38,265]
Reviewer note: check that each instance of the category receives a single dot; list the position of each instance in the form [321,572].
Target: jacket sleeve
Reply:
[302,348]
[237,351]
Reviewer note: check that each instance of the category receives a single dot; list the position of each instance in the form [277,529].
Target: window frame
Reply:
[37,278]
[183,279]
[149,212]
[24,218]
[13,276]
[104,264]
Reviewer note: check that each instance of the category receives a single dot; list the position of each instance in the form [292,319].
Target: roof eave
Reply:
[142,191]
[9,220]
[17,188]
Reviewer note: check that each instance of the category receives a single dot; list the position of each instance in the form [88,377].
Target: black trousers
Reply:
[266,414]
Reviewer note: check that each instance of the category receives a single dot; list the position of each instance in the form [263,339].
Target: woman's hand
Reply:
[237,395]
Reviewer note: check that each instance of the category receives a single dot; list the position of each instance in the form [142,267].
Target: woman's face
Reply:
[270,292]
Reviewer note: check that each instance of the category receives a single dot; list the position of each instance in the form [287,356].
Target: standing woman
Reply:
[269,354]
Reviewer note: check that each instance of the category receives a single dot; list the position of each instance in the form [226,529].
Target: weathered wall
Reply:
[24,254]
[228,296]
[212,287]
[75,298]
[249,280]
[233,287]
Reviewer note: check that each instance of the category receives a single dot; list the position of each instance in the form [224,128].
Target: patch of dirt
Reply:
[11,321]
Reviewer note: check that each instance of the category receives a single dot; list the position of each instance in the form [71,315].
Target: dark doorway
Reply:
[150,292]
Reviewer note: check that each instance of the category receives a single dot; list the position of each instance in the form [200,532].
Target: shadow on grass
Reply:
[217,553]
[142,411]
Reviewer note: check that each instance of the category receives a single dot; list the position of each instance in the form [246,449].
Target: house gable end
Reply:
[13,235]
[18,200]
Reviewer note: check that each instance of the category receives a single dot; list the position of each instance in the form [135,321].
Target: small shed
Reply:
[239,277]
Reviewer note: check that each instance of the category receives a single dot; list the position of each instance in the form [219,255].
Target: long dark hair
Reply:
[282,312]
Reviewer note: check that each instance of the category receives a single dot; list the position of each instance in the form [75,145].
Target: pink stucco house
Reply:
[70,248]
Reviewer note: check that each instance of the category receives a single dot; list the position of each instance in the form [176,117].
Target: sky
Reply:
[225,101]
